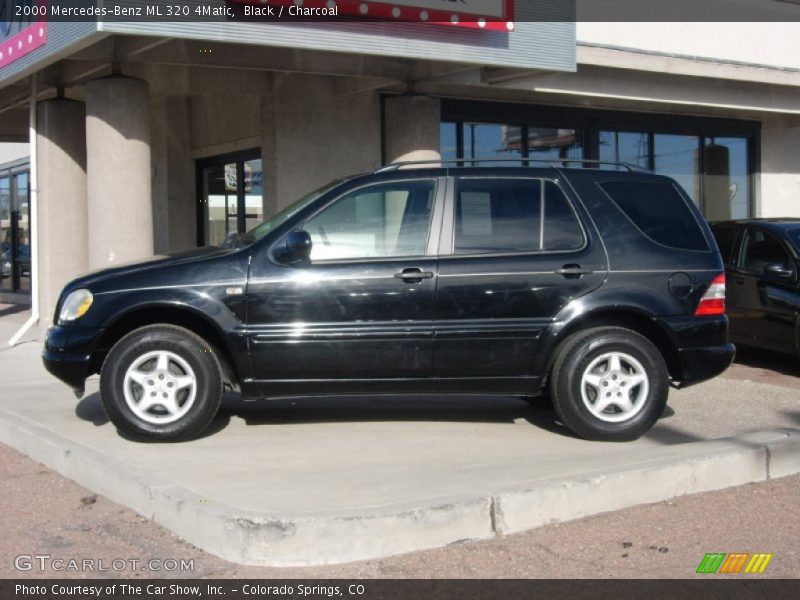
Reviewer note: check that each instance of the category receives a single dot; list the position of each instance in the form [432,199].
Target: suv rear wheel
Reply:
[161,381]
[609,383]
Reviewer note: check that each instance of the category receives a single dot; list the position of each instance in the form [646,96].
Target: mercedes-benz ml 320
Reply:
[600,286]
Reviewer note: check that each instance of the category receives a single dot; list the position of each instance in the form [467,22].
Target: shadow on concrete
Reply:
[769,360]
[13,309]
[90,409]
[335,409]
[538,412]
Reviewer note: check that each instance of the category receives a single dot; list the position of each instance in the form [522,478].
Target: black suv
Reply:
[600,285]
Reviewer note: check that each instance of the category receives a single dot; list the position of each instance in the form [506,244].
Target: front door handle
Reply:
[571,271]
[413,275]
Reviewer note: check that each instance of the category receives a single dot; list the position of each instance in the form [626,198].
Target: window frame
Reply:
[430,240]
[447,247]
[740,259]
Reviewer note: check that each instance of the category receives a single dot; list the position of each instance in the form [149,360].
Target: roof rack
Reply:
[554,163]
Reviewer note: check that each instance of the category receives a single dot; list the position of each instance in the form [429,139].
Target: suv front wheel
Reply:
[609,383]
[161,381]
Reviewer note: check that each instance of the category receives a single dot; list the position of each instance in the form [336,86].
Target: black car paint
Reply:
[482,323]
[764,310]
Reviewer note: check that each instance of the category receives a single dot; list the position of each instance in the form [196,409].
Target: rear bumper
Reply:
[702,347]
[68,354]
[699,364]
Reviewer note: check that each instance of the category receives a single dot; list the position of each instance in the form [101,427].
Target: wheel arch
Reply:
[168,314]
[631,318]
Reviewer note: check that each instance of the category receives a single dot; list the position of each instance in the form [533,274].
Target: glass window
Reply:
[727,189]
[677,156]
[390,219]
[253,194]
[22,252]
[659,211]
[561,228]
[492,141]
[549,143]
[497,215]
[726,239]
[626,147]
[761,249]
[6,266]
[448,141]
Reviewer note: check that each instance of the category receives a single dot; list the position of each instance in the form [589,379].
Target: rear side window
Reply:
[659,211]
[495,216]
[726,239]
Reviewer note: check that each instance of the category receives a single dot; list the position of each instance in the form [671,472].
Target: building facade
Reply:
[153,137]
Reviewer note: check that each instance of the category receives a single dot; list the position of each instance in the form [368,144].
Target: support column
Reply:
[62,210]
[119,190]
[412,128]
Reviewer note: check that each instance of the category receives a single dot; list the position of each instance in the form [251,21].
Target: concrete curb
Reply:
[261,538]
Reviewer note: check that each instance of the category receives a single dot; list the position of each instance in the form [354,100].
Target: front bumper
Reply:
[68,354]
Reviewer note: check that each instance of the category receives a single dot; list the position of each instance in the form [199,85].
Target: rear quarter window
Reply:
[659,211]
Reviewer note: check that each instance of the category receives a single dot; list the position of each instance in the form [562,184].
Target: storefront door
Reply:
[230,196]
[15,262]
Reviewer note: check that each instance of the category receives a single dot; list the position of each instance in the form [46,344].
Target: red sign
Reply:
[23,42]
[480,14]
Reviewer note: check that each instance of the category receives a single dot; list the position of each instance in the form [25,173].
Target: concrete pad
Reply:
[327,480]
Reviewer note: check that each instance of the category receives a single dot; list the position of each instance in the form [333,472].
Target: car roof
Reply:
[778,224]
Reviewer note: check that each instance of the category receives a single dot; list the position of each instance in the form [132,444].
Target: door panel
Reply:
[763,308]
[491,305]
[355,310]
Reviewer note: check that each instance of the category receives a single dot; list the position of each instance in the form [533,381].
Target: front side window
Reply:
[761,249]
[378,221]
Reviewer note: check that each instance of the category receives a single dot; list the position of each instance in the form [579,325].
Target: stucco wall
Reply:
[780,167]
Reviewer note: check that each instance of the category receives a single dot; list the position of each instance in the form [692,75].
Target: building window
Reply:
[711,158]
[625,147]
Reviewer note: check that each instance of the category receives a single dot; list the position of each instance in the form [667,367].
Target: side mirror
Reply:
[297,248]
[778,271]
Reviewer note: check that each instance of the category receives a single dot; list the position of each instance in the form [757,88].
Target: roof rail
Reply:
[554,163]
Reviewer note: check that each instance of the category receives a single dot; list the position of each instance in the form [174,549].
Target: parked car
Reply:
[603,287]
[763,295]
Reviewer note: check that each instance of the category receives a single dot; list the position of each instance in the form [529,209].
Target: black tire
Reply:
[576,357]
[188,357]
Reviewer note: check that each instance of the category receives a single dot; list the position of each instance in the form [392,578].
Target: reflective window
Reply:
[22,244]
[761,249]
[492,141]
[448,141]
[678,156]
[727,179]
[549,143]
[390,219]
[561,228]
[253,195]
[6,266]
[497,215]
[659,211]
[626,147]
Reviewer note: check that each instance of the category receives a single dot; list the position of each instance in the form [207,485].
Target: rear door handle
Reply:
[413,274]
[573,271]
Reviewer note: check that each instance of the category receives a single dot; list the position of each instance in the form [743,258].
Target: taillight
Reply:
[713,301]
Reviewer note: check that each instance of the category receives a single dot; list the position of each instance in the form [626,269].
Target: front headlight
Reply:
[75,305]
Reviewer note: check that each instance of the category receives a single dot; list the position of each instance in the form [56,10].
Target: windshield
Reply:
[279,218]
[794,238]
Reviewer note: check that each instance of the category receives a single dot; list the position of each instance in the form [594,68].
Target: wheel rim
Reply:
[614,387]
[160,387]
